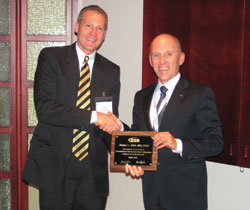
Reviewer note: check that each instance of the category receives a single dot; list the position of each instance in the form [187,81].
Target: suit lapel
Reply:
[72,71]
[174,102]
[97,80]
[146,106]
[72,59]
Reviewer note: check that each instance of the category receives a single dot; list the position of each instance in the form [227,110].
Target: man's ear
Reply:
[182,58]
[76,28]
[150,61]
[105,32]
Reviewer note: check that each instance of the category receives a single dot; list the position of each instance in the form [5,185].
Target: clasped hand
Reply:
[108,122]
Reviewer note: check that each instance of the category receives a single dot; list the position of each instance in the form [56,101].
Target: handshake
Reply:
[108,122]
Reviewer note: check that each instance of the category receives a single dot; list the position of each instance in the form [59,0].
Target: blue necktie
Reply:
[163,95]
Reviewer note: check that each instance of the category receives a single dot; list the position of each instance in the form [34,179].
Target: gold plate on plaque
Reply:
[133,148]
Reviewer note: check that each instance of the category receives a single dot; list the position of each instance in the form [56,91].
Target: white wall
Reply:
[228,188]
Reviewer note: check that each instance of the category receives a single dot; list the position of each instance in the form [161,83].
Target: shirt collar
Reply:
[170,85]
[81,55]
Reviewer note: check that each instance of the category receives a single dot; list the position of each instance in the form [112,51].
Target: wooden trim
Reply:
[74,14]
[5,130]
[47,38]
[24,84]
[6,84]
[68,20]
[5,175]
[4,37]
[21,190]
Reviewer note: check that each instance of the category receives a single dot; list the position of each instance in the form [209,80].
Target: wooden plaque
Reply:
[133,148]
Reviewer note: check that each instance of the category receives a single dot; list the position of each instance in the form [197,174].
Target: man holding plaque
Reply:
[184,115]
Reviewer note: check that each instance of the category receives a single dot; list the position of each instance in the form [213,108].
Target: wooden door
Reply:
[26,26]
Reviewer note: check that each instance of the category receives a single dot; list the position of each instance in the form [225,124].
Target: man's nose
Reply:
[93,31]
[162,59]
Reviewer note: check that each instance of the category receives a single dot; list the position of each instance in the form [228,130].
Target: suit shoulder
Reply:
[59,55]
[106,61]
[198,89]
[56,50]
[197,86]
[146,90]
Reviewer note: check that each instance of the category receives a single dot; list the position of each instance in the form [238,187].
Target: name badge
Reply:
[104,104]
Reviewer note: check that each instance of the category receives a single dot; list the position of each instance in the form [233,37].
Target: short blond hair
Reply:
[95,8]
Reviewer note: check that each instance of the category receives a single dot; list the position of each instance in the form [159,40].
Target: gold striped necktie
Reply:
[81,138]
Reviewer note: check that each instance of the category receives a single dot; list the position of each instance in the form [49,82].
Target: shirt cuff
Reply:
[122,129]
[93,118]
[179,148]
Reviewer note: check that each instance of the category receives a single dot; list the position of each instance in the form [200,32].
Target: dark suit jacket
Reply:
[55,95]
[191,115]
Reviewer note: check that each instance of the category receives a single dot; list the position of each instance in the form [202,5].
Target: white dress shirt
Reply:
[81,55]
[170,85]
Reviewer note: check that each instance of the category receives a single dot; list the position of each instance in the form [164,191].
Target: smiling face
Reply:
[166,57]
[91,31]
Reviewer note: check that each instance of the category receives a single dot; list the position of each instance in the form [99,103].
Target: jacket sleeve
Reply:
[209,141]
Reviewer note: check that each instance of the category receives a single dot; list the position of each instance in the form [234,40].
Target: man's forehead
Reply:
[162,49]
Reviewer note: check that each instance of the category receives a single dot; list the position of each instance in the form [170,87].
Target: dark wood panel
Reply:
[244,150]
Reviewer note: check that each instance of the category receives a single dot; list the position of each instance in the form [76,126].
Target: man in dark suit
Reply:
[188,130]
[76,178]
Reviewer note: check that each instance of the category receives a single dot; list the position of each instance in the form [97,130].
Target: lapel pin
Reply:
[181,95]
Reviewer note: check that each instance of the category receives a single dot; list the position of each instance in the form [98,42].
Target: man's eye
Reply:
[88,25]
[156,55]
[100,29]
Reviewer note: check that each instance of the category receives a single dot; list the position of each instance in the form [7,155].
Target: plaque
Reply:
[133,148]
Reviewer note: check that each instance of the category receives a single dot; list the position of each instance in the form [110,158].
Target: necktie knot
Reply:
[163,91]
[86,58]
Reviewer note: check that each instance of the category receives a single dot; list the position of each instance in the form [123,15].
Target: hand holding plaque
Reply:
[134,171]
[133,148]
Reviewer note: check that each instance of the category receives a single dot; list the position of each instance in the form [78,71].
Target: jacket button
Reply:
[67,156]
